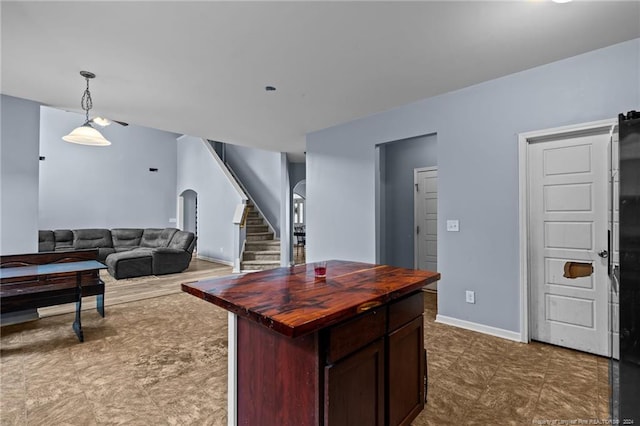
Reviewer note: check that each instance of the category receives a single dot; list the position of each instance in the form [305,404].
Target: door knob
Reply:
[603,254]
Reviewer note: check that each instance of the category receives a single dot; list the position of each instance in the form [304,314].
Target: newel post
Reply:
[239,235]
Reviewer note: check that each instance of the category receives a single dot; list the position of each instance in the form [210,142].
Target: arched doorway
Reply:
[299,229]
[189,212]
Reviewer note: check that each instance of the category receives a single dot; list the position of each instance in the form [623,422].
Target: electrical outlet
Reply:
[471,296]
[453,226]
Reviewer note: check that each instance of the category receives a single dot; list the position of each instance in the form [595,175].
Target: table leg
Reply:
[77,324]
[100,304]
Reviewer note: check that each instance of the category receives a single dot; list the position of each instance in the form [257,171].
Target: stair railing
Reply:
[240,214]
[255,205]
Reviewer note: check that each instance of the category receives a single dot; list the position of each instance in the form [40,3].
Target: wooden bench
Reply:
[29,281]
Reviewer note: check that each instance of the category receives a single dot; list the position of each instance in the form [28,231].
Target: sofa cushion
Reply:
[132,263]
[46,241]
[126,237]
[181,240]
[91,238]
[64,239]
[104,252]
[155,237]
[145,250]
[121,249]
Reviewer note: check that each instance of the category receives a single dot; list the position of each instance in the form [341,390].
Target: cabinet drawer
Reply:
[350,336]
[404,310]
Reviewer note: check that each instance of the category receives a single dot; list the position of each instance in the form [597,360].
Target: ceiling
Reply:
[201,68]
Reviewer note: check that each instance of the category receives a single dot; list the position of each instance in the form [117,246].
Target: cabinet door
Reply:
[354,388]
[406,372]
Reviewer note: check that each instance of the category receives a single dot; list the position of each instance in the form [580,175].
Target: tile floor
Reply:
[475,379]
[162,361]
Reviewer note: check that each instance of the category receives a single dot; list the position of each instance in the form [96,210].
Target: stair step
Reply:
[255,221]
[265,245]
[251,214]
[257,229]
[272,255]
[260,236]
[259,265]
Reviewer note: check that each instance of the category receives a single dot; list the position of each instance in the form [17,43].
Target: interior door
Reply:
[568,207]
[426,219]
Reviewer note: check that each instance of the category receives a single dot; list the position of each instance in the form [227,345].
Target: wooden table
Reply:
[36,286]
[345,349]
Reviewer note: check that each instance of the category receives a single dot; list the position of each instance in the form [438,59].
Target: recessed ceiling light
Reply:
[270,89]
[561,1]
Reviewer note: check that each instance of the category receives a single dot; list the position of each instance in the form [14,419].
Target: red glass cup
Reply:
[320,269]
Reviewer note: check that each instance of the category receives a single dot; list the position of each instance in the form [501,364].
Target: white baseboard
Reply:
[480,328]
[213,259]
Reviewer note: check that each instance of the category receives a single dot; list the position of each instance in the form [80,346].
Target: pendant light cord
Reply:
[86,102]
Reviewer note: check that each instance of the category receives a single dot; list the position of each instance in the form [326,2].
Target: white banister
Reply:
[225,170]
[239,230]
[239,235]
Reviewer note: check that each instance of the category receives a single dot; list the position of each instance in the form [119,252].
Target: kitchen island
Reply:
[342,350]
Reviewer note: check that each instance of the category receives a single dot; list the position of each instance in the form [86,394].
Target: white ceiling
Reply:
[200,68]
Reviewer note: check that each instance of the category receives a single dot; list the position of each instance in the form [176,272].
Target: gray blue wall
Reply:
[297,172]
[401,158]
[105,187]
[477,152]
[260,172]
[19,147]
[197,170]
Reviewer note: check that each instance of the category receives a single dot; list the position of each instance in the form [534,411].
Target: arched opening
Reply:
[189,214]
[299,229]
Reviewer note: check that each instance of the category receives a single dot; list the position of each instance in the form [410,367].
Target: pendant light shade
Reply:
[86,135]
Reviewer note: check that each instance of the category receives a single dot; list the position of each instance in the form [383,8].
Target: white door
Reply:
[568,207]
[426,219]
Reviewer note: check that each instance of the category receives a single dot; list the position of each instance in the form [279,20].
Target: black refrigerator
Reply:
[629,273]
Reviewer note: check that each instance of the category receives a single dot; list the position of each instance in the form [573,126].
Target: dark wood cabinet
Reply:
[355,388]
[376,366]
[406,372]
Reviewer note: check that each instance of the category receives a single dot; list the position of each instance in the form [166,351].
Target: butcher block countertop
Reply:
[291,301]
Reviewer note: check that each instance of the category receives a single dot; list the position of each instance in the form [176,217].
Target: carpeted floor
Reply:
[163,361]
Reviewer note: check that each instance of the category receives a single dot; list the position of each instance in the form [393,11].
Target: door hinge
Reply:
[417,229]
[417,190]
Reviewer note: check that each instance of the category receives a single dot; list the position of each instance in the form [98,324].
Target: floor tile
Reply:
[163,361]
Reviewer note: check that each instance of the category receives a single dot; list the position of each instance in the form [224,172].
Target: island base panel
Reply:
[278,380]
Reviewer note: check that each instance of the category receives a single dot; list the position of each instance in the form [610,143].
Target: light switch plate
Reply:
[470,296]
[453,225]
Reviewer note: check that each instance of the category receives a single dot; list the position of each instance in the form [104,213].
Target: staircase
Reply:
[261,250]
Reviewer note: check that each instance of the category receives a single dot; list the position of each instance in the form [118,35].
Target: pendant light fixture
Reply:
[86,134]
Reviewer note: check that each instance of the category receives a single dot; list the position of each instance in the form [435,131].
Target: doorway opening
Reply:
[188,202]
[396,231]
[299,219]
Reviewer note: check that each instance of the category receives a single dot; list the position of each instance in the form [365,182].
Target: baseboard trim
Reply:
[480,328]
[213,259]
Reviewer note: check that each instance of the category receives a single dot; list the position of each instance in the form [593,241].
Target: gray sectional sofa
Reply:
[127,252]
